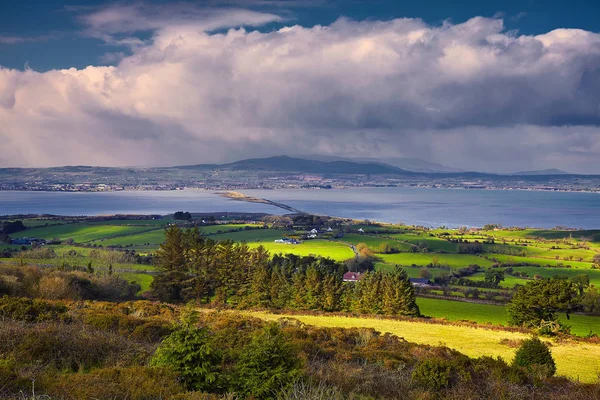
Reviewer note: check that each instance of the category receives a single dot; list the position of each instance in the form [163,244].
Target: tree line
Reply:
[194,267]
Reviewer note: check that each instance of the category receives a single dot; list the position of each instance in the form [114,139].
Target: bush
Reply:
[433,374]
[11,382]
[20,309]
[152,331]
[534,354]
[136,383]
[268,364]
[190,352]
[68,347]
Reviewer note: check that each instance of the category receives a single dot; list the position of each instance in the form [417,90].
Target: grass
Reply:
[137,222]
[433,243]
[253,235]
[574,360]
[212,229]
[144,280]
[460,310]
[335,250]
[538,261]
[153,238]
[452,260]
[373,241]
[81,232]
[508,282]
[581,325]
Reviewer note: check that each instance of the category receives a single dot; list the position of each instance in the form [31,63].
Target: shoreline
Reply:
[236,190]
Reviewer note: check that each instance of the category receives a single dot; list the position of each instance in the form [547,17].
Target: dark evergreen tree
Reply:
[168,284]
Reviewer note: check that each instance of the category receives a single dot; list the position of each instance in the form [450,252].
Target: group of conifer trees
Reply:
[193,267]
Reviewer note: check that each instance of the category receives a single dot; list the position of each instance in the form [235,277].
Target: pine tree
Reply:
[280,288]
[398,297]
[171,264]
[298,293]
[313,284]
[332,291]
[370,291]
[259,292]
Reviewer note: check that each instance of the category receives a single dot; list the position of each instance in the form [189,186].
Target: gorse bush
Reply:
[434,374]
[69,347]
[134,383]
[535,354]
[31,310]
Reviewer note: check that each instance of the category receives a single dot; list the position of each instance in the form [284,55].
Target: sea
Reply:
[414,206]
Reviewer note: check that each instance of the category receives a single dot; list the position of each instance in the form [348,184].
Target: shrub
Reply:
[190,352]
[136,383]
[433,374]
[267,364]
[69,347]
[534,354]
[31,310]
[10,381]
[152,331]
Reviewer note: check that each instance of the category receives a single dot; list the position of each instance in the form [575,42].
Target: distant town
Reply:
[279,173]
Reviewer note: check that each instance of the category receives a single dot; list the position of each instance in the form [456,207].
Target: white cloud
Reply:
[469,94]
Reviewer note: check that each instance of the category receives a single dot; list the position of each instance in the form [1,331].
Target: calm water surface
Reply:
[420,206]
[448,207]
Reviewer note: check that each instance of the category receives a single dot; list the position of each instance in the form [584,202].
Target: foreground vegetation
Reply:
[148,350]
[262,325]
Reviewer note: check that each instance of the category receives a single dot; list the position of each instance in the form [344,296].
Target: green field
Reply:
[451,260]
[335,250]
[493,314]
[253,235]
[573,359]
[136,222]
[538,261]
[82,232]
[145,236]
[373,242]
[508,282]
[433,243]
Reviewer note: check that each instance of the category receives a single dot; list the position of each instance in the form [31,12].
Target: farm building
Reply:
[352,276]
[28,241]
[419,282]
[287,241]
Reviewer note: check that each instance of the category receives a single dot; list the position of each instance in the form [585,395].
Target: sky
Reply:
[496,86]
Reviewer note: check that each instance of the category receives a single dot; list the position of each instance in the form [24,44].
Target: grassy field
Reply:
[82,232]
[373,241]
[149,238]
[538,261]
[137,222]
[253,235]
[574,360]
[144,280]
[335,250]
[581,325]
[433,243]
[508,282]
[451,260]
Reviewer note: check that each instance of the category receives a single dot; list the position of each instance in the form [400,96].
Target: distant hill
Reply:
[407,164]
[551,171]
[301,165]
